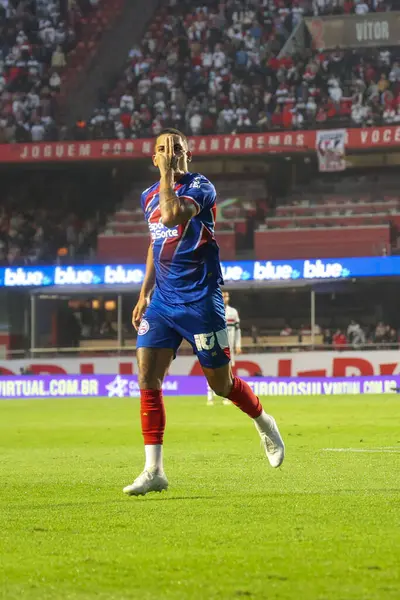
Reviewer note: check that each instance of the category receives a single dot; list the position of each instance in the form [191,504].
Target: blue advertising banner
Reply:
[313,269]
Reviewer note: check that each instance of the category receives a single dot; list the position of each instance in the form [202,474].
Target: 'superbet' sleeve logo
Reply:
[158,231]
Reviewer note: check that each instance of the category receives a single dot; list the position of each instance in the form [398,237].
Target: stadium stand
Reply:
[44,46]
[334,242]
[218,68]
[125,235]
[284,326]
[204,68]
[207,68]
[43,237]
[354,216]
[53,216]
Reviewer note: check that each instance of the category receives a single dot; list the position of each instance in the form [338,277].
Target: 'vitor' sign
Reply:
[318,269]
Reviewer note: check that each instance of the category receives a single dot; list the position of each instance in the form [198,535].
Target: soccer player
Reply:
[184,271]
[234,340]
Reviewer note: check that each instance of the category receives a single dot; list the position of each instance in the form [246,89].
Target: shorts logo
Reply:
[143,327]
[204,341]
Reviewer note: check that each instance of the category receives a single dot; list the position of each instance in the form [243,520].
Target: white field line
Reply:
[382,449]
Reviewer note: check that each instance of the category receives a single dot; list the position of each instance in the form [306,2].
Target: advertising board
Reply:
[120,386]
[271,364]
[258,271]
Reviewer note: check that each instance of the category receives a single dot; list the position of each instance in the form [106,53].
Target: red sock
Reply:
[152,413]
[244,398]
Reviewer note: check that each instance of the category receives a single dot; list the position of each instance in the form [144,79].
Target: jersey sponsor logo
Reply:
[158,231]
[143,327]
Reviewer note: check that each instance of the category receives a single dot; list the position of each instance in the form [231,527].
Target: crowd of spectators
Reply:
[30,237]
[35,39]
[357,337]
[49,217]
[214,67]
[205,67]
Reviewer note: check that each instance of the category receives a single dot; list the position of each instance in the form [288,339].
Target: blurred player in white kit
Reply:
[234,339]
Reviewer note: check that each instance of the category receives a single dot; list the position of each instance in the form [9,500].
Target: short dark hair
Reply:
[173,131]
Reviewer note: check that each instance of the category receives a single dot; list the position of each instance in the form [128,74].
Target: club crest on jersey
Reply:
[143,327]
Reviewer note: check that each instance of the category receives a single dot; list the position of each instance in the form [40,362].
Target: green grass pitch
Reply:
[323,527]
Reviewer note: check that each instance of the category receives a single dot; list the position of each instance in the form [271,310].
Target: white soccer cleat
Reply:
[272,441]
[210,402]
[148,481]
[226,402]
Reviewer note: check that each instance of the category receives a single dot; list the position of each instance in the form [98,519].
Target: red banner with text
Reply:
[282,142]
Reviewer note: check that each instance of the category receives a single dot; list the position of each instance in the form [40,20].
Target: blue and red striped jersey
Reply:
[186,257]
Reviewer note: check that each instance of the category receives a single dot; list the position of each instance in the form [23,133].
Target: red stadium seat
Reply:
[123,248]
[334,242]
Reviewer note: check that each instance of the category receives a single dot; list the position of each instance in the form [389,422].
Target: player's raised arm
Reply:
[171,156]
[145,292]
